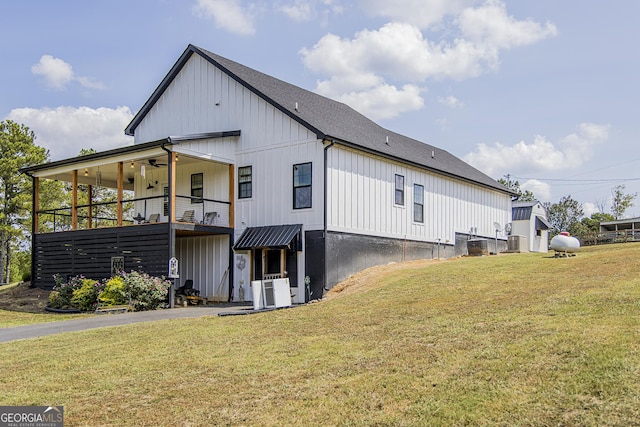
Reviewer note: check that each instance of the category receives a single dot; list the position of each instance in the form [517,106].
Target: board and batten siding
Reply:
[202,98]
[361,200]
[272,186]
[205,260]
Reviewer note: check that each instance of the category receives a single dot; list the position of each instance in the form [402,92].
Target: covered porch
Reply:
[135,208]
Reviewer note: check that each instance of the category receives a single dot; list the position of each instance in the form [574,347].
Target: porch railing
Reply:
[136,211]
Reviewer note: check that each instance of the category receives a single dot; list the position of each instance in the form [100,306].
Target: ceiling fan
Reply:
[154,163]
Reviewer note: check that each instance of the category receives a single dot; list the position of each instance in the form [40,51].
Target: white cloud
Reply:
[421,13]
[589,209]
[57,74]
[299,10]
[490,25]
[385,101]
[229,15]
[540,189]
[450,101]
[398,53]
[64,131]
[542,155]
[308,10]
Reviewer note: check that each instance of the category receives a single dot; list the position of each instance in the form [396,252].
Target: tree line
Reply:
[19,150]
[568,215]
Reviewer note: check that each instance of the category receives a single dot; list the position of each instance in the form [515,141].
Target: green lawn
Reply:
[10,318]
[510,340]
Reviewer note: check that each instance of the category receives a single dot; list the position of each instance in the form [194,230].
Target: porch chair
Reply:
[152,218]
[209,218]
[188,216]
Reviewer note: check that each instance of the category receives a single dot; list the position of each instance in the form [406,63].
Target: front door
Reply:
[274,264]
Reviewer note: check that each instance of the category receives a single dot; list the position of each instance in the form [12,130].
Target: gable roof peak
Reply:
[328,119]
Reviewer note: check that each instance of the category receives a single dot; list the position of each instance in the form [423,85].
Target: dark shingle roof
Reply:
[330,120]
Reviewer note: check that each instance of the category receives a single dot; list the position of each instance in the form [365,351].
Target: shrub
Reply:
[146,292]
[85,298]
[61,298]
[115,292]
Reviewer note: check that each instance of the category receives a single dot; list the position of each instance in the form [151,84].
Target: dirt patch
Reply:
[366,278]
[23,298]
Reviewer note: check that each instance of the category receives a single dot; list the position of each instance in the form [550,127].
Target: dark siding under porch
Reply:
[88,252]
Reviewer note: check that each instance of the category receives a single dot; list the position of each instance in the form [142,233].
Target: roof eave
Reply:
[97,156]
[415,164]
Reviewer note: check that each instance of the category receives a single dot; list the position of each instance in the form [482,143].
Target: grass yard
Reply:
[510,340]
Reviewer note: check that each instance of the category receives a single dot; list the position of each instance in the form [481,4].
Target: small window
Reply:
[245,189]
[418,203]
[165,201]
[196,188]
[399,195]
[302,186]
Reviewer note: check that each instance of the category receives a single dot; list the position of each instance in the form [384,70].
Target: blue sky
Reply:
[545,91]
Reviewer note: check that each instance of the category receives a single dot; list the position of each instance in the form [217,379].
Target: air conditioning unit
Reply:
[516,243]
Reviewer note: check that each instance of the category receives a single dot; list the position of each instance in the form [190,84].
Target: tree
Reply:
[620,201]
[521,195]
[17,150]
[592,224]
[565,215]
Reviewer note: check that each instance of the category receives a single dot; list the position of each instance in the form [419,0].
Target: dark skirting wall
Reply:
[89,252]
[350,253]
[314,264]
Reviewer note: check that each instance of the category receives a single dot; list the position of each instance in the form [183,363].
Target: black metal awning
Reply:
[272,237]
[542,224]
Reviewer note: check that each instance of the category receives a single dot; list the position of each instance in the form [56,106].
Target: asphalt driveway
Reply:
[107,320]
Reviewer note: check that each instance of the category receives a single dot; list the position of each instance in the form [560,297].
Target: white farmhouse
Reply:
[241,176]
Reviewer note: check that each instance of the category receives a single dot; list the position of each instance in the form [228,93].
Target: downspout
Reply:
[325,214]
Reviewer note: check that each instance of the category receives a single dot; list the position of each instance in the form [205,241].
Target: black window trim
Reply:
[415,203]
[310,185]
[195,198]
[398,191]
[248,184]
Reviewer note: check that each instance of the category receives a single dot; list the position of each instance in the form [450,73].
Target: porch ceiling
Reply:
[107,168]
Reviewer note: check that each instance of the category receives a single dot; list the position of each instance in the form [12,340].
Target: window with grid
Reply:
[197,186]
[245,178]
[399,194]
[302,186]
[418,203]
[165,201]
